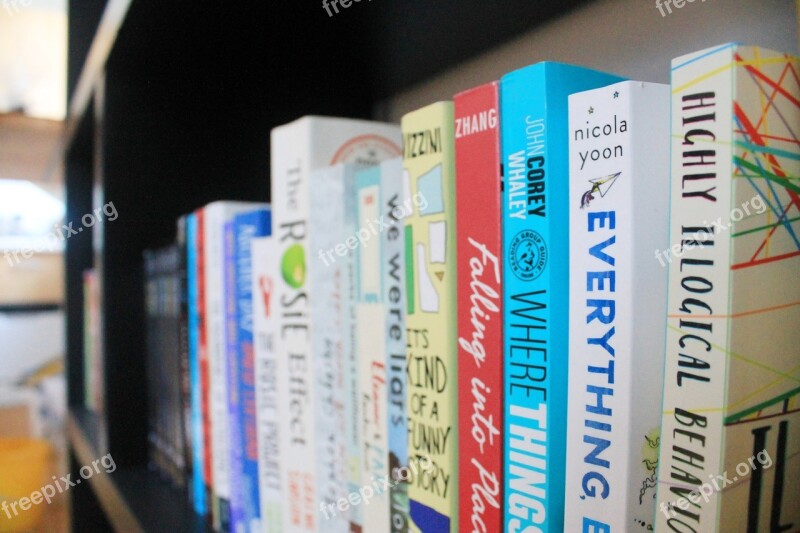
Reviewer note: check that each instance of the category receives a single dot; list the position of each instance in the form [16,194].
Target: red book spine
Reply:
[480,332]
[205,402]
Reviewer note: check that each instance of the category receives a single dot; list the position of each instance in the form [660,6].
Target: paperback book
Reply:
[395,206]
[271,377]
[429,178]
[730,450]
[534,133]
[618,209]
[298,149]
[245,499]
[479,183]
[215,216]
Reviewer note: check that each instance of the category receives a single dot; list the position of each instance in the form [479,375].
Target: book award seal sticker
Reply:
[527,255]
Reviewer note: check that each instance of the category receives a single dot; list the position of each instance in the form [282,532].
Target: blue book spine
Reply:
[198,482]
[245,227]
[394,206]
[231,335]
[534,129]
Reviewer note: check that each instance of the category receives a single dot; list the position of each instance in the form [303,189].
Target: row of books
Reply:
[460,323]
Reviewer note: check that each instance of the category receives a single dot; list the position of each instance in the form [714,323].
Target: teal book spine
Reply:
[198,480]
[534,132]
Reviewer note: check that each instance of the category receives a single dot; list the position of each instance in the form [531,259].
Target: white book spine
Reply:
[298,149]
[619,206]
[371,352]
[327,284]
[374,488]
[271,376]
[290,169]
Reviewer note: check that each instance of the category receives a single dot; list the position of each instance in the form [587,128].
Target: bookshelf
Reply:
[171,105]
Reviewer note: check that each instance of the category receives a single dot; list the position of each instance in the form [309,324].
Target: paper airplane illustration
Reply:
[599,185]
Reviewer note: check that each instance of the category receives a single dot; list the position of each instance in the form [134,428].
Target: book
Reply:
[91,340]
[618,212]
[352,375]
[395,207]
[730,452]
[428,160]
[241,376]
[204,367]
[299,148]
[370,314]
[327,306]
[479,243]
[182,288]
[534,132]
[215,215]
[232,373]
[163,363]
[198,483]
[271,375]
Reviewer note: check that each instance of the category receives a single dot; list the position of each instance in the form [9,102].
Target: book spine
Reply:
[618,209]
[151,361]
[534,383]
[480,327]
[246,228]
[173,370]
[205,366]
[729,414]
[428,139]
[395,208]
[195,387]
[183,337]
[371,351]
[215,330]
[88,342]
[534,134]
[290,194]
[327,307]
[694,385]
[233,375]
[271,375]
[350,345]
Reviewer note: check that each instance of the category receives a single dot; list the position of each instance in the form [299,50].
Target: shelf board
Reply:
[92,71]
[133,499]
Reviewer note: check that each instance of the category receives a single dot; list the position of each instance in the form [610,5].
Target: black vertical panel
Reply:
[78,250]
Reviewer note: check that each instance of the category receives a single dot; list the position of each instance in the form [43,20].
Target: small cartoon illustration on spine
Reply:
[599,185]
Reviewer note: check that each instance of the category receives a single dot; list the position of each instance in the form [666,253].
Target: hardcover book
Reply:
[429,176]
[480,328]
[730,450]
[619,210]
[299,148]
[534,135]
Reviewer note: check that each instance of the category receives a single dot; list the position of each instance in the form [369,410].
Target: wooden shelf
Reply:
[133,499]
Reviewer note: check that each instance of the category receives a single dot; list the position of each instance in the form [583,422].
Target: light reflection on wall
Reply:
[33,57]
